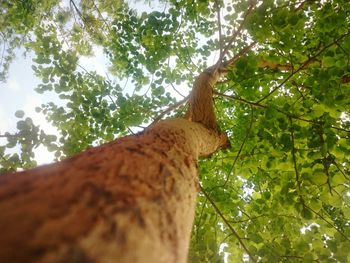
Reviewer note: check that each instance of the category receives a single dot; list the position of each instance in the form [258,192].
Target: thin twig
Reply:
[242,145]
[3,50]
[77,10]
[297,177]
[283,82]
[340,170]
[183,63]
[256,104]
[8,135]
[188,55]
[102,18]
[178,92]
[130,131]
[169,109]
[126,82]
[241,53]
[236,33]
[69,46]
[219,27]
[263,215]
[329,223]
[303,65]
[228,225]
[201,214]
[149,87]
[233,97]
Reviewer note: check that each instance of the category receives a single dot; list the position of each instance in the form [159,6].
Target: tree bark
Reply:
[130,200]
[201,108]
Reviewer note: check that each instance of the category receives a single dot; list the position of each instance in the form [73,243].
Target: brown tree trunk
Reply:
[131,200]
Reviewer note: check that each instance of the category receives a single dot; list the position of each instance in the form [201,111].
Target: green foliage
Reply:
[18,18]
[26,139]
[284,185]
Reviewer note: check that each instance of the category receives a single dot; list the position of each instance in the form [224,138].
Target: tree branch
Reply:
[178,92]
[256,104]
[233,60]
[201,215]
[228,225]
[233,97]
[169,109]
[101,16]
[264,215]
[297,177]
[237,32]
[288,67]
[77,10]
[329,223]
[340,170]
[242,145]
[303,65]
[219,26]
[8,135]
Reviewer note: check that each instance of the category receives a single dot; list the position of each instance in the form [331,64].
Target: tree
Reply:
[280,193]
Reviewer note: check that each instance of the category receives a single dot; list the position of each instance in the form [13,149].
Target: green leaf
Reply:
[328,61]
[335,201]
[306,213]
[338,178]
[19,114]
[22,125]
[316,205]
[319,178]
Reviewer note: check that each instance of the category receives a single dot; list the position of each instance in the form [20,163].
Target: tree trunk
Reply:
[130,200]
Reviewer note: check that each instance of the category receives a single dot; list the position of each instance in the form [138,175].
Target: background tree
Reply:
[281,192]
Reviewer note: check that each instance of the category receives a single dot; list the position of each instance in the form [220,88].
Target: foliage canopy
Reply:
[281,192]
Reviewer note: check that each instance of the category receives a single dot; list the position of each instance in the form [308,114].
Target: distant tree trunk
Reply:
[130,200]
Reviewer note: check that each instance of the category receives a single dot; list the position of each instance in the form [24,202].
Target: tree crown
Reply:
[281,192]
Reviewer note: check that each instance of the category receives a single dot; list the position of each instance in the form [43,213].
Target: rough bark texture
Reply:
[201,107]
[131,200]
